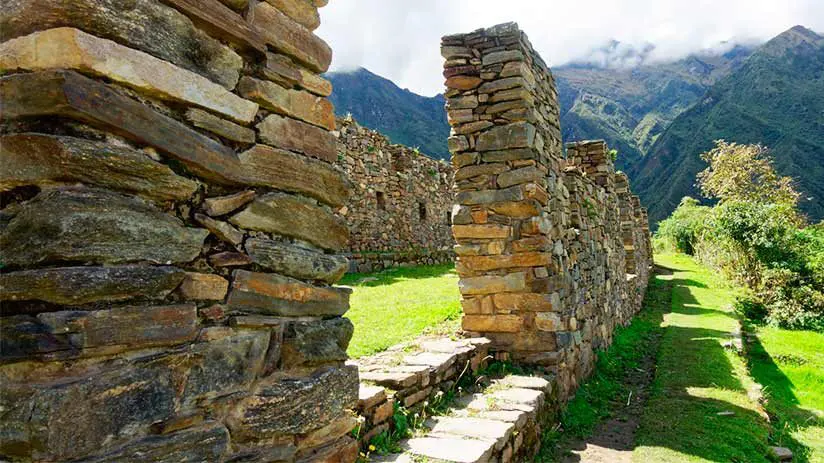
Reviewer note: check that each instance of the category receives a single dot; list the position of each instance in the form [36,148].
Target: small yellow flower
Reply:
[371,448]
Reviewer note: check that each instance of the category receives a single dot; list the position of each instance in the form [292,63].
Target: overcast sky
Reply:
[399,39]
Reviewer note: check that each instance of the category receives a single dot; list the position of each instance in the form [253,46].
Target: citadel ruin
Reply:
[178,202]
[401,203]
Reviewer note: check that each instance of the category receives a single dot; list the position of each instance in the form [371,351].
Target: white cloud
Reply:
[400,39]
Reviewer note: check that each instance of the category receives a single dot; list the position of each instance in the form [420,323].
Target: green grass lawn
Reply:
[790,366]
[699,410]
[399,304]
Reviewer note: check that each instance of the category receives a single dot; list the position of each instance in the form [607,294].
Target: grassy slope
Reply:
[790,366]
[697,378]
[400,305]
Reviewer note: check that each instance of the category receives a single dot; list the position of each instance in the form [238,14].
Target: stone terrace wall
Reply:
[399,211]
[168,238]
[541,240]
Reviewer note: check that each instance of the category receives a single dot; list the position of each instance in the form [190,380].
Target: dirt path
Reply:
[613,440]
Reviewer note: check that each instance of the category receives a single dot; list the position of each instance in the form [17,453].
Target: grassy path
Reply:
[699,409]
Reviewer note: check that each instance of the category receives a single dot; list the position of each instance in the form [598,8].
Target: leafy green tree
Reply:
[744,173]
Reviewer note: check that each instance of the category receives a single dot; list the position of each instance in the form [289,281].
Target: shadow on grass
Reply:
[694,406]
[781,402]
[392,275]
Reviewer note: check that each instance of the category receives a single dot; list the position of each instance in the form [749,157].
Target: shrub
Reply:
[793,299]
[752,308]
[685,227]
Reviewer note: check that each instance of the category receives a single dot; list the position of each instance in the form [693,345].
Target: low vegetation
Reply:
[399,304]
[755,235]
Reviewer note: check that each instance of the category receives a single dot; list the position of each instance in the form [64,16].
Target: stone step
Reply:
[491,426]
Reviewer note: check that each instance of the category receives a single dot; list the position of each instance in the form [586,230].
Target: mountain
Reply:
[628,105]
[775,97]
[628,102]
[403,116]
[659,116]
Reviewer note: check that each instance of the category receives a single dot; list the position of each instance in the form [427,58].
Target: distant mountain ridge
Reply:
[659,117]
[631,107]
[405,117]
[776,98]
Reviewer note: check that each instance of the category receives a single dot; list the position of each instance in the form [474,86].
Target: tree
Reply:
[744,173]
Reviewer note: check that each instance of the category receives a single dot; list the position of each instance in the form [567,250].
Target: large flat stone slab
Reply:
[295,217]
[303,12]
[490,284]
[68,48]
[454,450]
[144,25]
[299,104]
[296,405]
[220,21]
[82,285]
[273,294]
[294,135]
[473,428]
[316,342]
[295,261]
[43,160]
[515,135]
[132,326]
[68,94]
[95,226]
[291,38]
[276,168]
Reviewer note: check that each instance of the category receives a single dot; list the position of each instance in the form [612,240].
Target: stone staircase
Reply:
[496,420]
[501,424]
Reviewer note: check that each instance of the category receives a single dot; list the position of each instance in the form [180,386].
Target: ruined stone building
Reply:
[399,211]
[552,251]
[169,241]
[174,220]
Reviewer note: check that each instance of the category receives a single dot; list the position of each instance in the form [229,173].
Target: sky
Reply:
[400,39]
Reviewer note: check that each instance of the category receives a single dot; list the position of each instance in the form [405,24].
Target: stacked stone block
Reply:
[169,242]
[410,374]
[540,244]
[398,213]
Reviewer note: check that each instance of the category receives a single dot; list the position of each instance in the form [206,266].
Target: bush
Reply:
[685,227]
[794,300]
[764,230]
[751,308]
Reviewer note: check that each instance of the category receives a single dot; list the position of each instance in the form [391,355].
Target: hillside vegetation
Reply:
[776,99]
[405,117]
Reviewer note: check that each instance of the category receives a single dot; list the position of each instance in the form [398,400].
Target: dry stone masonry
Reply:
[168,235]
[399,210]
[552,252]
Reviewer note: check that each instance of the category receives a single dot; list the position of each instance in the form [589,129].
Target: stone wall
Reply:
[399,210]
[168,238]
[542,240]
